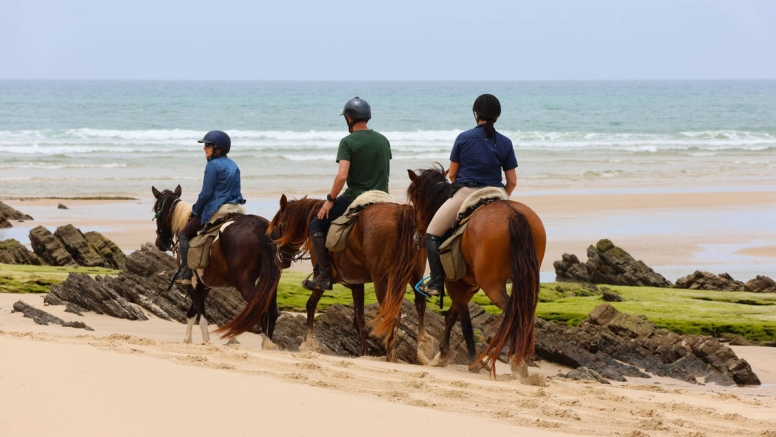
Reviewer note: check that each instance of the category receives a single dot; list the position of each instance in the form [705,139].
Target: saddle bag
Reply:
[451,257]
[337,237]
[199,250]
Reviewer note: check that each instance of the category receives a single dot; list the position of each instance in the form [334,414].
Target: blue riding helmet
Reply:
[219,138]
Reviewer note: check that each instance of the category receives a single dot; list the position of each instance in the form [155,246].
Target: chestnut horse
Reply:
[503,240]
[380,249]
[241,257]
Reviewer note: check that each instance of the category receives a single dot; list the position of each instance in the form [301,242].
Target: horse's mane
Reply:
[180,216]
[295,218]
[429,191]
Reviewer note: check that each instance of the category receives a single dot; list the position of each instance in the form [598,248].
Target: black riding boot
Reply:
[323,280]
[184,275]
[436,284]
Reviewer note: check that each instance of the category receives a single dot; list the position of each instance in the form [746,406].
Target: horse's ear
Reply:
[283,202]
[413,175]
[178,191]
[156,192]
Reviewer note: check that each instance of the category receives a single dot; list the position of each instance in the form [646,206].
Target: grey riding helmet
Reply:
[357,109]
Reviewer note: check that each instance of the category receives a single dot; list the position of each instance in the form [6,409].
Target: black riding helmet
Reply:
[486,107]
[357,109]
[218,138]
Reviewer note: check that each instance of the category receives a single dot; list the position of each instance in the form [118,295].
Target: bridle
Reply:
[164,237]
[288,250]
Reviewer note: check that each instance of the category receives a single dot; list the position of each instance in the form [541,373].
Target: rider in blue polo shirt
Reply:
[478,158]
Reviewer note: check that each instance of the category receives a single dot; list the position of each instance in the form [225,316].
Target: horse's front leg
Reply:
[201,293]
[190,316]
[312,305]
[420,308]
[357,291]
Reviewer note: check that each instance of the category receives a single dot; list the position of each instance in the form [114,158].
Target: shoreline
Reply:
[675,233]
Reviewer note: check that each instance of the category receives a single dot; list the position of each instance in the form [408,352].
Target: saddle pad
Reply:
[199,247]
[337,237]
[451,256]
[477,199]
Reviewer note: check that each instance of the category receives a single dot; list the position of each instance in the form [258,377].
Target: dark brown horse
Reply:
[503,240]
[241,257]
[380,249]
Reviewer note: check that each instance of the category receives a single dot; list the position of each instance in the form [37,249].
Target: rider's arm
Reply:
[341,178]
[208,187]
[452,172]
[511,176]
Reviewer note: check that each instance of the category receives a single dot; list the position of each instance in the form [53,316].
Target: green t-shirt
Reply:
[369,153]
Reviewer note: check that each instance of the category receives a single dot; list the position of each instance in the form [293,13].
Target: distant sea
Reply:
[104,138]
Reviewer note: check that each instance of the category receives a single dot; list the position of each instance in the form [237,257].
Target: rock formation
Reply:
[44,318]
[708,281]
[7,214]
[68,246]
[608,264]
[761,284]
[13,252]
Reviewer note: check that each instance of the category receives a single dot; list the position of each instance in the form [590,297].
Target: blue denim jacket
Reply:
[221,185]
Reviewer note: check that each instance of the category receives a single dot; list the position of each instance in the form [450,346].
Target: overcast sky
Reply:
[388,40]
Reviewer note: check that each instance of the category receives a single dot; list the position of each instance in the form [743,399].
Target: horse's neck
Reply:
[180,216]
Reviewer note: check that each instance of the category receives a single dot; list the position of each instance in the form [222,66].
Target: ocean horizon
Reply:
[110,138]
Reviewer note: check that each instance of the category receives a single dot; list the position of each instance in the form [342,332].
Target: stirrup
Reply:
[314,285]
[182,281]
[422,288]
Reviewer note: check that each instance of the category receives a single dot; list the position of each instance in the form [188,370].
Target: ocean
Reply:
[118,138]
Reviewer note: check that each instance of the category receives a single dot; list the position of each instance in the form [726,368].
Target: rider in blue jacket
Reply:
[220,186]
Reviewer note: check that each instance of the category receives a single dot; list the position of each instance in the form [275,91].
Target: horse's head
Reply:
[288,229]
[163,207]
[427,192]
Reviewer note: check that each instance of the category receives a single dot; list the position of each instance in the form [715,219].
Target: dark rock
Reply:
[701,280]
[149,261]
[79,247]
[49,248]
[761,284]
[50,299]
[619,345]
[583,373]
[608,264]
[109,251]
[7,214]
[44,318]
[611,296]
[73,308]
[62,206]
[13,252]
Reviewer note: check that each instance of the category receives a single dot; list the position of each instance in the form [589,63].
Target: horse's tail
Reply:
[266,287]
[517,328]
[399,275]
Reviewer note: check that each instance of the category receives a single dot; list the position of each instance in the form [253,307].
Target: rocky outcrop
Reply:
[8,214]
[68,246]
[49,248]
[761,284]
[13,252]
[44,318]
[608,264]
[109,251]
[618,345]
[708,281]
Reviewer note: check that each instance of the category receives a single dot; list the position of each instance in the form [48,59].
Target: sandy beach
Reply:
[129,376]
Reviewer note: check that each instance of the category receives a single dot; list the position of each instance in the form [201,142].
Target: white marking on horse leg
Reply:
[189,326]
[203,327]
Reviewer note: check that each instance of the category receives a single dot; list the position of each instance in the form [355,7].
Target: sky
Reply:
[388,40]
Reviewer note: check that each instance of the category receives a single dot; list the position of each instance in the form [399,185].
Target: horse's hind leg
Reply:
[269,320]
[462,308]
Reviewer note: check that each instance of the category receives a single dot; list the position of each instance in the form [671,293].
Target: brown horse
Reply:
[504,239]
[380,249]
[241,257]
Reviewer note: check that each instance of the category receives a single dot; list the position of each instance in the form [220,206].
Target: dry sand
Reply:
[130,378]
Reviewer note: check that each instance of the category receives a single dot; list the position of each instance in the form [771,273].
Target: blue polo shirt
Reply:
[481,159]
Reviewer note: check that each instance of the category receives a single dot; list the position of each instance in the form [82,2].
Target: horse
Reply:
[241,257]
[503,240]
[380,249]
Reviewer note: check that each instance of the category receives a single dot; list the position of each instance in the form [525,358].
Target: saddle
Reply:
[450,251]
[337,237]
[199,246]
